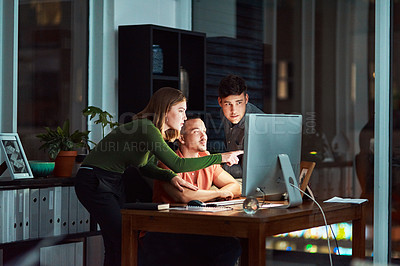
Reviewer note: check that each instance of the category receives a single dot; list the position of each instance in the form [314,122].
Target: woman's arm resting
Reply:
[179,183]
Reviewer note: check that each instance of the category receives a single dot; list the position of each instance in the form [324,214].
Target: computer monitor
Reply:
[272,154]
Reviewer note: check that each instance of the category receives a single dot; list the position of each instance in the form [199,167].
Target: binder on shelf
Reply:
[83,219]
[19,214]
[73,211]
[86,227]
[8,216]
[57,211]
[64,209]
[3,215]
[34,199]
[26,214]
[46,210]
[22,214]
[12,223]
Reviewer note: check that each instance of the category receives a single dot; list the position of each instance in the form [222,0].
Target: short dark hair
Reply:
[188,119]
[231,85]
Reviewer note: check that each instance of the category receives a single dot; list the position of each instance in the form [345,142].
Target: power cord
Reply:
[262,191]
[330,226]
[326,224]
[334,237]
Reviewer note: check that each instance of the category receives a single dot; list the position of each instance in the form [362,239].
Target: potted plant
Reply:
[104,117]
[60,144]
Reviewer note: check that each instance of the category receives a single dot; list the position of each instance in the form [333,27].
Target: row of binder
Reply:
[41,212]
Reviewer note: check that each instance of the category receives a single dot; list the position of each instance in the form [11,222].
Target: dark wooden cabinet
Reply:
[136,79]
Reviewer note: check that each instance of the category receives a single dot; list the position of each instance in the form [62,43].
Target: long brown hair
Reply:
[159,105]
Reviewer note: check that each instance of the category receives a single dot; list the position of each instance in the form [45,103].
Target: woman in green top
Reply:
[139,143]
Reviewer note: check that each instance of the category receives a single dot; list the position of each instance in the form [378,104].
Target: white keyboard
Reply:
[227,202]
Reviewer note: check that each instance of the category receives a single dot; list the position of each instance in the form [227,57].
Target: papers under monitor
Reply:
[201,209]
[227,202]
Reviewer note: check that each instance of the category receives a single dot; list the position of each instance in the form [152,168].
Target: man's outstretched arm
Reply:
[224,181]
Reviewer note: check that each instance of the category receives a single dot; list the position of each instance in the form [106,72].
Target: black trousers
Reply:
[100,192]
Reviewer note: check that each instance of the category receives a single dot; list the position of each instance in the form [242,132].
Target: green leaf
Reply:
[62,139]
[104,118]
[65,128]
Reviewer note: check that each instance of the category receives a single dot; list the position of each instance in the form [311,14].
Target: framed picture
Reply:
[306,169]
[14,156]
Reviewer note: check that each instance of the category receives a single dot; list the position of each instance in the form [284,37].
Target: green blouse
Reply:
[139,143]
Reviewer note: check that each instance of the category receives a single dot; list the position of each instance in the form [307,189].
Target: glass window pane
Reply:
[52,68]
[310,57]
[395,134]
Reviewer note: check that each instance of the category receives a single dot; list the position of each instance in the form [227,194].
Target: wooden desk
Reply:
[253,229]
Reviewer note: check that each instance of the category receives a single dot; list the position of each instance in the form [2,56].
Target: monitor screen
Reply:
[270,142]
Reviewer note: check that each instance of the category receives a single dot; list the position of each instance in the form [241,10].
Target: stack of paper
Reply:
[346,200]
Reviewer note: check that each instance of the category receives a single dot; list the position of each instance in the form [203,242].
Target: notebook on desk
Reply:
[146,206]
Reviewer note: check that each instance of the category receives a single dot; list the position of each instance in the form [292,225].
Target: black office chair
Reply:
[136,187]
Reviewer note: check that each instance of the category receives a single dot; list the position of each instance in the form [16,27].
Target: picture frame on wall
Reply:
[12,153]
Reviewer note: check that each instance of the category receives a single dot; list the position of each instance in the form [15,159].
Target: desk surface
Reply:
[252,228]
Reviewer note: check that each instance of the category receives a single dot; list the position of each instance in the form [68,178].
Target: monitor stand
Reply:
[294,196]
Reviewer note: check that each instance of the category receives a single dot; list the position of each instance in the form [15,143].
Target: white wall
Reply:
[104,18]
[168,13]
[216,18]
